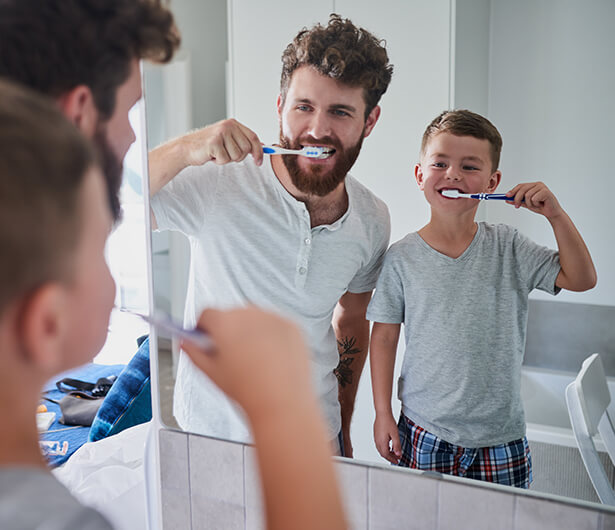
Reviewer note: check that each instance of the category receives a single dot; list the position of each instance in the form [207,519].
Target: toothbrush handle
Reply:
[492,197]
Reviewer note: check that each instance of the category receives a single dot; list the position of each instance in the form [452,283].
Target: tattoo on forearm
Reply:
[347,352]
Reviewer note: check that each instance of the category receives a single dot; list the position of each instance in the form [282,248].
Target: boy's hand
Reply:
[386,437]
[538,198]
[260,359]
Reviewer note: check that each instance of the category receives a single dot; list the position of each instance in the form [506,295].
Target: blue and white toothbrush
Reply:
[308,151]
[454,194]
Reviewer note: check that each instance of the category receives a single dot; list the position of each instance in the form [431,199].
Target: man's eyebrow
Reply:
[342,106]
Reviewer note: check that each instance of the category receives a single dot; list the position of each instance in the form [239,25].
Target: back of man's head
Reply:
[43,163]
[54,46]
[342,51]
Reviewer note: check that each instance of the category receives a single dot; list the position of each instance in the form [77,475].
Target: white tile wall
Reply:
[208,483]
[175,480]
[216,483]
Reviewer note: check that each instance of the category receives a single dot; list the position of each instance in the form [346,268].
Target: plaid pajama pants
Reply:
[509,464]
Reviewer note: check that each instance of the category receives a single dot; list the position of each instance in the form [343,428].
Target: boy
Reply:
[461,289]
[56,295]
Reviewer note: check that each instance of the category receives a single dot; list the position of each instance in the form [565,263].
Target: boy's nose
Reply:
[453,174]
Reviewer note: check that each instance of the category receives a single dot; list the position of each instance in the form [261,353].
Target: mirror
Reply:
[548,92]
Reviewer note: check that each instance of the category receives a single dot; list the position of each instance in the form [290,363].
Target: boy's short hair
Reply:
[343,52]
[465,123]
[43,163]
[55,45]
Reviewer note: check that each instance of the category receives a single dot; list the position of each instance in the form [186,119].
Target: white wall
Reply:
[551,95]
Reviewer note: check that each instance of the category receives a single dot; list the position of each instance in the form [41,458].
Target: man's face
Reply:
[91,290]
[114,136]
[320,111]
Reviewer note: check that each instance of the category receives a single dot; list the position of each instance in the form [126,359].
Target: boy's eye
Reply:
[470,168]
[439,164]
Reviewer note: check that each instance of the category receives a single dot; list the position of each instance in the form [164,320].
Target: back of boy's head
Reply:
[342,51]
[465,123]
[43,163]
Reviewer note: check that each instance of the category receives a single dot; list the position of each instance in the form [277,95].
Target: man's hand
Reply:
[223,142]
[386,437]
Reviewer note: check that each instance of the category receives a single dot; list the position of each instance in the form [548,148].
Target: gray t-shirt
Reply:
[465,326]
[251,242]
[33,498]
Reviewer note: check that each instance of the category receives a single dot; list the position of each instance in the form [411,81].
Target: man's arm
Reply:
[223,142]
[352,333]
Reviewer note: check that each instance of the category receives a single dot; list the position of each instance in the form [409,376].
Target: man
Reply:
[85,54]
[296,235]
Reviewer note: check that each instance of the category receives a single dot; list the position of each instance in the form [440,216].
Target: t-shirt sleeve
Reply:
[365,279]
[388,304]
[539,265]
[184,203]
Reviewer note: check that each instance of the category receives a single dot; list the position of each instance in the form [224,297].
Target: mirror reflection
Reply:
[536,92]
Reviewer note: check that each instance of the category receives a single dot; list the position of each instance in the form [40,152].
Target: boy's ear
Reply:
[371,120]
[79,107]
[494,181]
[43,325]
[418,175]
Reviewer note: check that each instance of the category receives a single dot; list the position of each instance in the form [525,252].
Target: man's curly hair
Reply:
[341,51]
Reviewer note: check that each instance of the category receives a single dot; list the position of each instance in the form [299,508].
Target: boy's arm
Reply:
[383,347]
[223,142]
[577,268]
[352,333]
[273,386]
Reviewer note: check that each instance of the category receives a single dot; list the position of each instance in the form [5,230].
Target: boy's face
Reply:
[460,163]
[320,111]
[91,292]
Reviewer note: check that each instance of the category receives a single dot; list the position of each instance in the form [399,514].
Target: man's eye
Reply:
[339,112]
[303,107]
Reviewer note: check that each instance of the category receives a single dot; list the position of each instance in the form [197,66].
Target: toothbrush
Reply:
[165,323]
[454,194]
[308,151]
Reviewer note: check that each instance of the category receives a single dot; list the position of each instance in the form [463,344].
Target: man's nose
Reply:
[320,125]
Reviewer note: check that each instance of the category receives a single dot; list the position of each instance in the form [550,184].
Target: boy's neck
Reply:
[19,398]
[450,235]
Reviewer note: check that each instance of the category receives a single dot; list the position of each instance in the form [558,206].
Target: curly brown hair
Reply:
[55,45]
[465,123]
[341,51]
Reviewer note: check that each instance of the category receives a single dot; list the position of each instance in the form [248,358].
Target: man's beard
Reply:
[315,181]
[112,169]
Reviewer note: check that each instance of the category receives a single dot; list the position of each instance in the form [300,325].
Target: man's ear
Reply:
[43,326]
[279,105]
[418,175]
[371,120]
[79,107]
[494,180]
